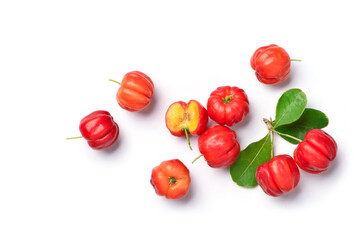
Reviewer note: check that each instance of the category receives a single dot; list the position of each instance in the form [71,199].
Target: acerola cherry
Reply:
[279,175]
[171,179]
[219,146]
[181,118]
[315,153]
[271,64]
[228,105]
[135,92]
[99,129]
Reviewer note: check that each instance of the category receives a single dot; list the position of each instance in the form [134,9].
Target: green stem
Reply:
[271,129]
[227,99]
[74,137]
[114,81]
[187,135]
[272,143]
[197,158]
[287,135]
[172,180]
[295,60]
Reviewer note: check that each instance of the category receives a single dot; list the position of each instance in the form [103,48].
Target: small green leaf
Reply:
[310,119]
[243,170]
[290,106]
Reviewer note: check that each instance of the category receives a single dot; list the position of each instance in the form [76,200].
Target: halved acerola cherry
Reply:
[181,118]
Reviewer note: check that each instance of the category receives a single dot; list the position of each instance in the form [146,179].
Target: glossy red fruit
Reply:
[99,129]
[135,92]
[219,146]
[228,105]
[171,179]
[316,152]
[279,175]
[271,64]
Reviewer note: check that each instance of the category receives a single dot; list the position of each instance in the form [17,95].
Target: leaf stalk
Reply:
[287,135]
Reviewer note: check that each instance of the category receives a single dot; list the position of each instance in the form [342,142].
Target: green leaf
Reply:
[243,170]
[290,106]
[310,119]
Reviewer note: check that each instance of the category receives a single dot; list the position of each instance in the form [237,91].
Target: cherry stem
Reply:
[295,60]
[227,99]
[172,180]
[114,81]
[74,137]
[187,135]
[197,158]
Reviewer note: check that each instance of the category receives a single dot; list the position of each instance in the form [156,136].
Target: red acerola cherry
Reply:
[315,153]
[182,118]
[228,105]
[271,64]
[171,179]
[99,129]
[135,92]
[279,175]
[219,146]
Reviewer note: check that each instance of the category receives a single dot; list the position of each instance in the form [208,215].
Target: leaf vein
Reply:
[282,116]
[259,151]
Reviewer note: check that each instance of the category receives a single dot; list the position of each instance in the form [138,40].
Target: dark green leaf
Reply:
[310,119]
[243,170]
[290,106]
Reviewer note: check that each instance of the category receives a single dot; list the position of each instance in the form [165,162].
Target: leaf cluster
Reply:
[292,121]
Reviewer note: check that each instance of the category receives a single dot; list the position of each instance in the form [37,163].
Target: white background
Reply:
[55,61]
